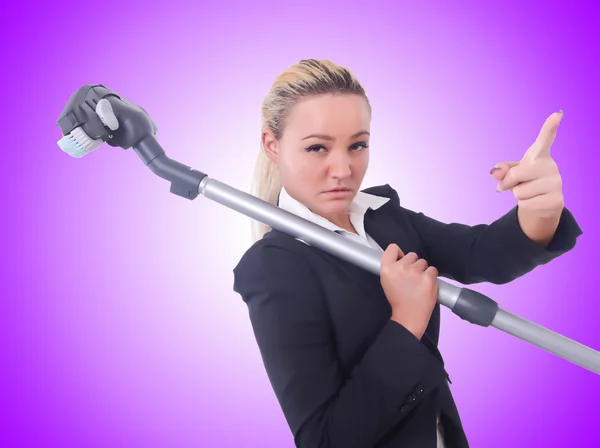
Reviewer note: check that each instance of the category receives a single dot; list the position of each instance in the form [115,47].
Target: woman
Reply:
[352,357]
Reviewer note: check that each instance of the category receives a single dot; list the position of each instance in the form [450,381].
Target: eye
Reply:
[315,148]
[355,146]
[360,144]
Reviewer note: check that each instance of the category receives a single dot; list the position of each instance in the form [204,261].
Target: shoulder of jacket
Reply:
[276,262]
[273,246]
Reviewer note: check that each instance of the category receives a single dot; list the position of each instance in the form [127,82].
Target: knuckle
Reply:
[517,192]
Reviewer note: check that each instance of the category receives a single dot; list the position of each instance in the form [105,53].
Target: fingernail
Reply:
[496,167]
[561,113]
[498,189]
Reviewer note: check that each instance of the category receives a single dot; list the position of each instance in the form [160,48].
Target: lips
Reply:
[338,190]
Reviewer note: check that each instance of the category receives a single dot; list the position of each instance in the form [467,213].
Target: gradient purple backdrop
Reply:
[119,324]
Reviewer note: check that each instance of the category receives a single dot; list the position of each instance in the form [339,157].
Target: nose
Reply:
[340,165]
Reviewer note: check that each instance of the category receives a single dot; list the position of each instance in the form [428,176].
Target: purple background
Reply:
[118,322]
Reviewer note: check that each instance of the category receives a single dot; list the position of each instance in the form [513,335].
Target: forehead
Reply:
[343,115]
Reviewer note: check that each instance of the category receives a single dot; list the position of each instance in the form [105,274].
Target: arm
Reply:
[324,408]
[497,253]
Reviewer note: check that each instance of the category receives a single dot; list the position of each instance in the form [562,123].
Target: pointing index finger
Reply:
[545,139]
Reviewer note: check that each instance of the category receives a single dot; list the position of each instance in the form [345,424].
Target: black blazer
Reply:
[344,373]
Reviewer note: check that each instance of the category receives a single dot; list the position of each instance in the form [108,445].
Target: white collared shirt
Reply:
[360,205]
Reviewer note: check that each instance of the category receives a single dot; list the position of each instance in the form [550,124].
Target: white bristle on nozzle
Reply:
[77,143]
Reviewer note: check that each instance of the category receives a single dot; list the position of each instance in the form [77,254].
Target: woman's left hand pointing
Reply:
[535,181]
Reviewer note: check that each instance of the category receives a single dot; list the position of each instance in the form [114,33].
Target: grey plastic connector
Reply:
[475,307]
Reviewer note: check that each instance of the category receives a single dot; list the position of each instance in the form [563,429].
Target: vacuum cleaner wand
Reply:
[95,114]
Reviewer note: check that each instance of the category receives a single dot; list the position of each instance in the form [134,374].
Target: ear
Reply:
[270,146]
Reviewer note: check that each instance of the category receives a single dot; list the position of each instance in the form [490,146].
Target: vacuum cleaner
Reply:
[95,114]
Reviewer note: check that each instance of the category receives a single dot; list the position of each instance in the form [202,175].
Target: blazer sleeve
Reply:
[496,253]
[323,407]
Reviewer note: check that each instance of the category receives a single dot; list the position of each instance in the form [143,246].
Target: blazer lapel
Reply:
[385,230]
[378,228]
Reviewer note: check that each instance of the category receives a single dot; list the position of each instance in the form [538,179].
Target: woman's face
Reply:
[322,155]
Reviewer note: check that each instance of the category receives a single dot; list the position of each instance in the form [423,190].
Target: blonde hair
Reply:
[309,77]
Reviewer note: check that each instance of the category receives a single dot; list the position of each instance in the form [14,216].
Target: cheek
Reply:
[298,168]
[360,164]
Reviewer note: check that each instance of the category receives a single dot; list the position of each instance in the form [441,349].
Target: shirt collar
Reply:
[358,208]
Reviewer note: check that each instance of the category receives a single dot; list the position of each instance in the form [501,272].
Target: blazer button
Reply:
[404,408]
[419,389]
[412,398]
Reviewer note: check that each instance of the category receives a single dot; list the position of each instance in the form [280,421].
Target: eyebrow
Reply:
[328,137]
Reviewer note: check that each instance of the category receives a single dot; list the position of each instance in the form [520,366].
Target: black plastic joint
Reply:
[187,186]
[185,181]
[475,307]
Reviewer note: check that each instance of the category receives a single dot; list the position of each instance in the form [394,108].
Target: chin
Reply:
[337,205]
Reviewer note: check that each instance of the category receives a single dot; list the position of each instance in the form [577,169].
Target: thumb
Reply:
[499,170]
[391,255]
